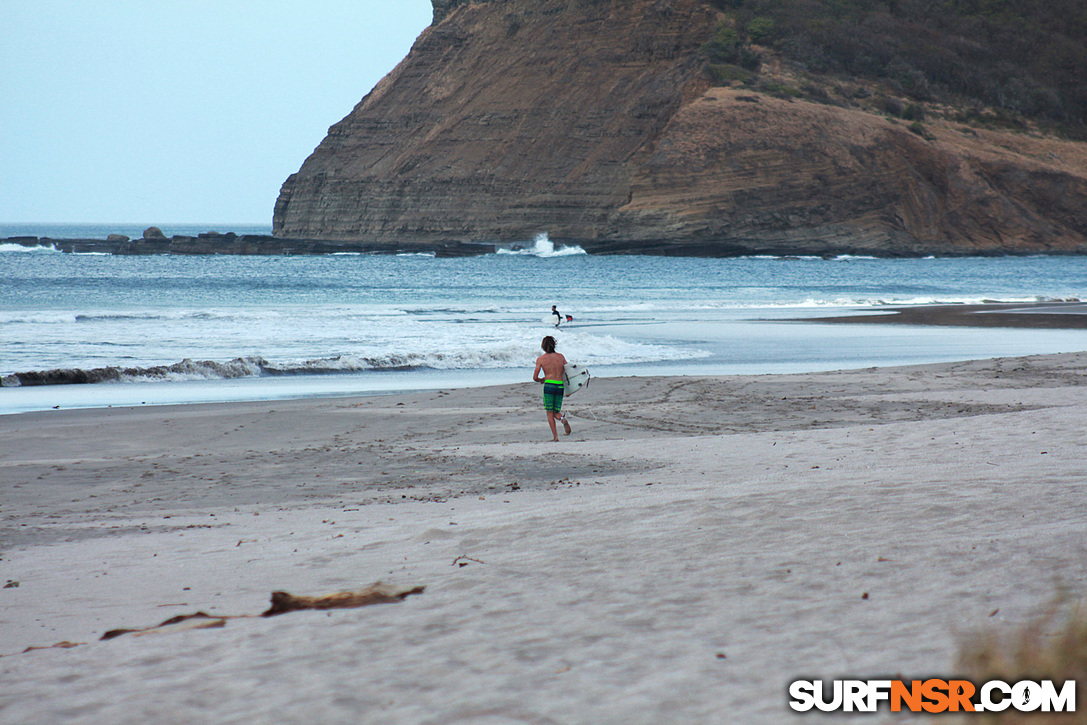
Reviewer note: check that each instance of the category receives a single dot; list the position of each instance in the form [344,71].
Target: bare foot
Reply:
[566,426]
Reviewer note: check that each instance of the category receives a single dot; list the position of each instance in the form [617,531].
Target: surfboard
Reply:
[574,378]
[551,320]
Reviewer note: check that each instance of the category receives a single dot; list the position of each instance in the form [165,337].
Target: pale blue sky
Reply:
[179,110]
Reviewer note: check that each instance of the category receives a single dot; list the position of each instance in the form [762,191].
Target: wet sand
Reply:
[1034,315]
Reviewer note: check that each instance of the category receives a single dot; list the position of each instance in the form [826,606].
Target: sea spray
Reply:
[544,248]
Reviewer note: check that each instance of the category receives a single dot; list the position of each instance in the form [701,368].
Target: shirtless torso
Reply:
[550,365]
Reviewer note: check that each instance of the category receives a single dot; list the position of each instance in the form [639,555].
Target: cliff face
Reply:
[593,121]
[744,172]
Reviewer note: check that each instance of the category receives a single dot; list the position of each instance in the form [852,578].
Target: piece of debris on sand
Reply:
[282,602]
[376,593]
[180,623]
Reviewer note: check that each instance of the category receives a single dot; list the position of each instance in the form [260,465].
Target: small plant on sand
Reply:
[1052,647]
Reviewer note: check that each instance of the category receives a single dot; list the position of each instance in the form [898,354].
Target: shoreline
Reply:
[717,529]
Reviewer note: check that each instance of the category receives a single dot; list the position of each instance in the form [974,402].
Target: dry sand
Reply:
[693,547]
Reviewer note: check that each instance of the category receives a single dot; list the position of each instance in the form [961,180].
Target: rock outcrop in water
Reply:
[210,243]
[595,121]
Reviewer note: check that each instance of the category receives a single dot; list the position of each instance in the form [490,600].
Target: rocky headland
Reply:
[607,123]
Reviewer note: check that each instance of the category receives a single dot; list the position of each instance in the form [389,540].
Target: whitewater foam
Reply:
[544,248]
[10,248]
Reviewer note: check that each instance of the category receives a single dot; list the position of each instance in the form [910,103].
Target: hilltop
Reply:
[888,127]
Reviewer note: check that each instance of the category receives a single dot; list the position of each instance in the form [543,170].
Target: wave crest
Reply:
[15,248]
[185,370]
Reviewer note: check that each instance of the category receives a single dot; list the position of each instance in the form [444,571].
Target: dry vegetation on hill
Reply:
[1005,63]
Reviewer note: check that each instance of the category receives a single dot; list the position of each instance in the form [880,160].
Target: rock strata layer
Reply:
[593,121]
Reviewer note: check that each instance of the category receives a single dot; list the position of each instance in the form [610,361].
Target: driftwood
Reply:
[59,645]
[377,593]
[282,602]
[199,620]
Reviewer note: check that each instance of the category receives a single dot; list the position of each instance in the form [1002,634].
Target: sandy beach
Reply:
[695,546]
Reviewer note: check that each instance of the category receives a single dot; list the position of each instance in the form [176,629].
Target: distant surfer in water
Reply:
[559,317]
[549,367]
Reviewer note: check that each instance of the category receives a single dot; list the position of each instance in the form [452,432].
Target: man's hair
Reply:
[548,344]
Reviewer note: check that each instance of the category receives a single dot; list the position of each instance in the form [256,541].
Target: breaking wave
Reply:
[595,350]
[184,370]
[10,247]
[543,247]
[242,367]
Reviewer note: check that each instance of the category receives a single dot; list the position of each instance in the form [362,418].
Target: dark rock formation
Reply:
[594,121]
[230,243]
[444,7]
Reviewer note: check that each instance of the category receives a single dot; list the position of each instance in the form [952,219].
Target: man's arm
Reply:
[536,372]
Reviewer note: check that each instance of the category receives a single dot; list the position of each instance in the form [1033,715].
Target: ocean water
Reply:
[173,329]
[131,230]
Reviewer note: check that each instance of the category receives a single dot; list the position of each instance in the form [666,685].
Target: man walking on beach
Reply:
[549,367]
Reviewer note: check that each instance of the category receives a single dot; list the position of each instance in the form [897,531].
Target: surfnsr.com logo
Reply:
[932,696]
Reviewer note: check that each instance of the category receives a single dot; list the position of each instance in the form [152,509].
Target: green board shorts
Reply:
[552,396]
